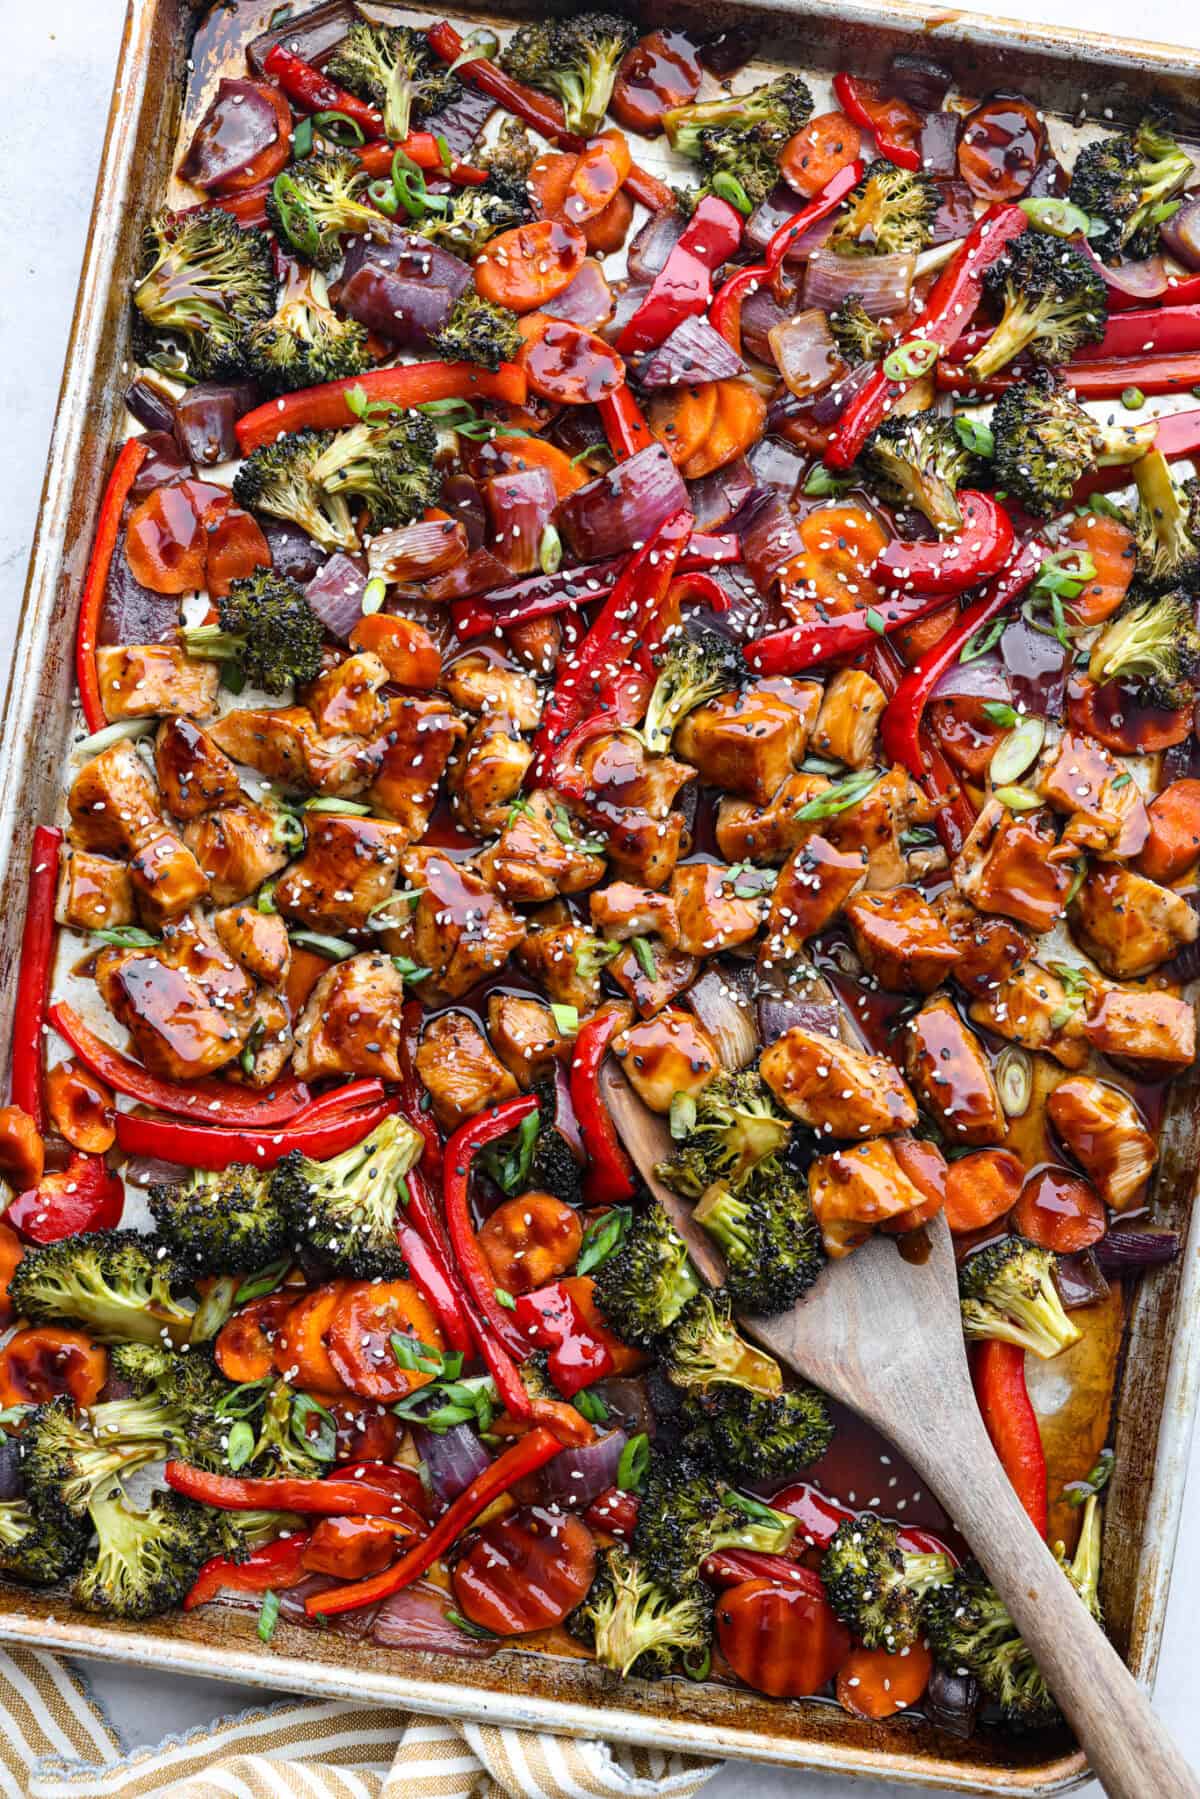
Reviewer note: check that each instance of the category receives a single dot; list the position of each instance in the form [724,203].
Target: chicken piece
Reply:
[486,778]
[537,642]
[478,684]
[146,680]
[1106,1134]
[747,832]
[990,949]
[112,803]
[623,776]
[257,940]
[461,931]
[747,741]
[524,1035]
[541,852]
[717,907]
[835,1089]
[1102,801]
[459,1069]
[949,1074]
[855,1189]
[563,958]
[652,975]
[849,718]
[270,1042]
[185,1002]
[166,878]
[284,743]
[621,911]
[665,1055]
[1005,867]
[901,940]
[1127,924]
[94,892]
[1035,1009]
[238,848]
[642,849]
[875,824]
[348,868]
[345,700]
[1151,1032]
[194,776]
[813,886]
[351,1022]
[410,759]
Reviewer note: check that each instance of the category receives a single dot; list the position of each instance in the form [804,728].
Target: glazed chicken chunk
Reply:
[564,958]
[834,1089]
[813,886]
[665,1055]
[745,742]
[1005,867]
[901,940]
[1129,925]
[112,803]
[477,684]
[1039,1011]
[541,852]
[94,892]
[461,930]
[949,1074]
[285,744]
[854,1190]
[186,1003]
[621,911]
[1104,808]
[459,1069]
[258,940]
[166,877]
[487,775]
[347,870]
[194,776]
[351,1022]
[849,718]
[717,907]
[524,1036]
[345,701]
[145,680]
[1151,1032]
[989,948]
[238,847]
[1103,1130]
[409,759]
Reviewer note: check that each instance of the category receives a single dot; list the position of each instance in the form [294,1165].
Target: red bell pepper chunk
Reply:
[84,1196]
[819,1515]
[551,1319]
[949,310]
[998,1373]
[108,524]
[892,122]
[526,1456]
[624,423]
[725,313]
[615,1511]
[1146,331]
[332,1497]
[217,1146]
[336,1101]
[610,1177]
[423,148]
[426,1271]
[1091,380]
[311,91]
[324,408]
[798,647]
[730,1567]
[272,1569]
[683,286]
[33,975]
[950,565]
[389,1477]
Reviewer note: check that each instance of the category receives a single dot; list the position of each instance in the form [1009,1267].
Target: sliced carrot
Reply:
[1059,1210]
[524,268]
[878,1683]
[530,1240]
[304,971]
[597,177]
[810,160]
[508,455]
[405,648]
[840,543]
[682,417]
[1113,549]
[244,1348]
[236,547]
[915,640]
[607,231]
[40,1364]
[549,182]
[22,1151]
[11,1251]
[1173,845]
[82,1109]
[981,1188]
[367,1315]
[299,1351]
[740,416]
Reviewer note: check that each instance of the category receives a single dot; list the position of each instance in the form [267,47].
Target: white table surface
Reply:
[55,78]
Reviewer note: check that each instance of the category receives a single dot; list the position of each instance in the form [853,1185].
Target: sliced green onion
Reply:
[327,803]
[590,1406]
[382,194]
[467,1626]
[374,594]
[909,361]
[974,435]
[550,551]
[1077,880]
[504,1298]
[127,936]
[408,970]
[267,1280]
[265,902]
[1015,752]
[336,949]
[697,1664]
[298,222]
[1014,1081]
[643,949]
[876,622]
[477,45]
[842,795]
[727,187]
[634,1463]
[822,484]
[239,1445]
[983,640]
[324,1444]
[566,1019]
[1058,217]
[1132,399]
[340,129]
[415,1356]
[302,139]
[1017,799]
[268,1617]
[102,740]
[603,1239]
[1001,713]
[1078,1492]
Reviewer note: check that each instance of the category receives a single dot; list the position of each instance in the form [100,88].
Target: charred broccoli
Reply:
[643,1287]
[920,460]
[755,1436]
[188,1388]
[345,1209]
[1045,443]
[479,331]
[66,1459]
[143,1563]
[877,1588]
[314,204]
[889,213]
[475,215]
[1126,183]
[511,154]
[393,68]
[280,479]
[1054,302]
[576,59]
[116,1284]
[633,1626]
[268,635]
[388,465]
[737,1125]
[37,1549]
[855,332]
[221,1222]
[1167,526]
[1153,645]
[778,109]
[703,1348]
[693,667]
[283,1447]
[305,343]
[685,1512]
[206,282]
[767,1234]
[1007,1291]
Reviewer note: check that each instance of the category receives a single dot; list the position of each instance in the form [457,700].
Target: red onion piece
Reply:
[779,1011]
[454,1458]
[984,678]
[804,352]
[462,499]
[205,417]
[1130,283]
[623,507]
[715,498]
[1126,1248]
[520,506]
[1181,233]
[293,552]
[238,126]
[651,246]
[153,1171]
[883,284]
[11,1484]
[335,594]
[587,301]
[627,1403]
[576,1476]
[769,540]
[461,122]
[730,50]
[780,205]
[919,80]
[1037,668]
[810,241]
[418,552]
[150,405]
[626,304]
[726,1010]
[1079,1280]
[956,214]
[938,144]
[131,613]
[951,1702]
[761,312]
[694,351]
[477,572]
[164,462]
[1050,180]
[291,1608]
[415,1618]
[401,285]
[775,463]
[311,35]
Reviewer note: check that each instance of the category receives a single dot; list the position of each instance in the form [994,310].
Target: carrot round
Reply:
[299,1351]
[43,1362]
[509,455]
[606,230]
[1061,1211]
[682,417]
[11,1251]
[981,1188]
[597,177]
[878,1683]
[740,414]
[1173,845]
[1113,550]
[244,1345]
[809,161]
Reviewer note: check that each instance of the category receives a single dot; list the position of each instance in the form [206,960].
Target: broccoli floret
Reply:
[393,68]
[188,1385]
[40,1550]
[767,1234]
[511,154]
[268,635]
[388,465]
[474,215]
[221,1222]
[633,1626]
[345,1209]
[1054,302]
[876,1588]
[855,332]
[737,1125]
[1167,526]
[1045,443]
[643,1287]
[281,1449]
[778,109]
[305,343]
[703,1347]
[577,59]
[116,1284]
[921,461]
[552,1166]
[313,205]
[479,331]
[746,157]
[1152,644]
[66,1460]
[143,1563]
[752,1436]
[279,479]
[889,213]
[1007,1291]
[1125,183]
[693,667]
[206,282]
[685,1512]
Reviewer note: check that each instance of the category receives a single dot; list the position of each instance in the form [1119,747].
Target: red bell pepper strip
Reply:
[1181,290]
[539,110]
[311,91]
[949,309]
[33,975]
[84,1196]
[725,313]
[421,147]
[998,1374]
[217,1146]
[615,1511]
[249,207]
[730,1567]
[816,640]
[624,423]
[955,815]
[610,1177]
[389,1477]
[414,1100]
[527,1455]
[349,1097]
[1146,331]
[1106,380]
[328,1498]
[272,1569]
[707,549]
[884,118]
[551,1319]
[501,1340]
[108,524]
[952,564]
[429,1276]
[901,722]
[420,1209]
[683,286]
[408,384]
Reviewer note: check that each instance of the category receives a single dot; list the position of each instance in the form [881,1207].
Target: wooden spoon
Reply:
[884,1336]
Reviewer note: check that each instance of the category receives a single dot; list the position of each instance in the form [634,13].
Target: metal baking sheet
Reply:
[170,56]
